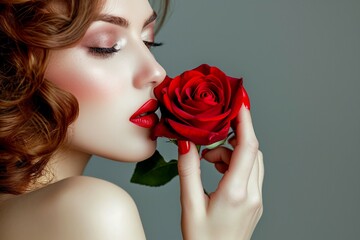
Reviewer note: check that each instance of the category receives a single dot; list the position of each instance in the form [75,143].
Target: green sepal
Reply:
[215,144]
[154,171]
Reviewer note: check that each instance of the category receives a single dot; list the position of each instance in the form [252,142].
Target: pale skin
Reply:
[109,90]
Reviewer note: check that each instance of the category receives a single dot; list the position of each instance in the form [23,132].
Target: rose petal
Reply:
[181,114]
[191,96]
[174,84]
[198,105]
[207,116]
[208,125]
[166,103]
[203,68]
[158,89]
[162,129]
[208,93]
[192,74]
[197,135]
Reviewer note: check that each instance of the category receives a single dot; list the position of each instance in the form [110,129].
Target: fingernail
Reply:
[183,146]
[246,99]
[204,152]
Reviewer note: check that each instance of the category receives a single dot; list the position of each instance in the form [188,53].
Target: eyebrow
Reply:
[123,22]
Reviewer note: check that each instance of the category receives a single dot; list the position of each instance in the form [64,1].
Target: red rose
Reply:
[198,105]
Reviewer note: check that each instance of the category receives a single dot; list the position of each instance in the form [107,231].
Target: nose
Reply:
[149,71]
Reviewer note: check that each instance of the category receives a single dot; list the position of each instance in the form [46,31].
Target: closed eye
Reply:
[150,45]
[107,52]
[102,51]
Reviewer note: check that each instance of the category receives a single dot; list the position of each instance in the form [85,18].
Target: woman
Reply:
[73,75]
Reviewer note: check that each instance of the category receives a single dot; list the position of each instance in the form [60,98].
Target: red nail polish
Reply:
[246,99]
[183,146]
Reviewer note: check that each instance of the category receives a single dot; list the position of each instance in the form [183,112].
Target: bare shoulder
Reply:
[74,208]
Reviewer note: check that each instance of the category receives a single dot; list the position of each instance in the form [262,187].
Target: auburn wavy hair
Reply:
[34,113]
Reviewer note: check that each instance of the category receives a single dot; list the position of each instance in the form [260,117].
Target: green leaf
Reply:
[154,171]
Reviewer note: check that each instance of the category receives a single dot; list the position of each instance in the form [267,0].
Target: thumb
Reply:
[191,189]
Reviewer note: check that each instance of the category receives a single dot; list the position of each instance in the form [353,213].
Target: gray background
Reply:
[301,63]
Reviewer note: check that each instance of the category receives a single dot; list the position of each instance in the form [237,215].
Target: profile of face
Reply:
[112,74]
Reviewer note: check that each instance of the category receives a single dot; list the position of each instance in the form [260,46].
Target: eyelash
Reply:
[106,52]
[150,45]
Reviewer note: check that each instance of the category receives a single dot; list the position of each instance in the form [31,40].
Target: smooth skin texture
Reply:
[109,89]
[111,85]
[234,209]
[75,208]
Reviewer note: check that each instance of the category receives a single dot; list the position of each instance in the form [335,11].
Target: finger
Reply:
[254,220]
[261,170]
[232,141]
[221,167]
[245,151]
[253,189]
[191,189]
[219,154]
[244,127]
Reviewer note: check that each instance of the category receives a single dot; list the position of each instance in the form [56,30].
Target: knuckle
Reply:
[188,171]
[255,203]
[236,197]
[261,211]
[252,145]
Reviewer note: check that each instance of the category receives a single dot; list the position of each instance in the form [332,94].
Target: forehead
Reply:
[132,10]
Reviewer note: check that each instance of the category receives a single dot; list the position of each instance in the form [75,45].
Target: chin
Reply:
[147,152]
[146,156]
[141,152]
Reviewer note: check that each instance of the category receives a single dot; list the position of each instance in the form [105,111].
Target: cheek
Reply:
[86,82]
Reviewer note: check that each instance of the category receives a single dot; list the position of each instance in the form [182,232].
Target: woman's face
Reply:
[112,74]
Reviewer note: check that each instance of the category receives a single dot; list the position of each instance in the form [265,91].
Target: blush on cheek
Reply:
[87,84]
[85,77]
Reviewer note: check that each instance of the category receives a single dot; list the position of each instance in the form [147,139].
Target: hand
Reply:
[234,209]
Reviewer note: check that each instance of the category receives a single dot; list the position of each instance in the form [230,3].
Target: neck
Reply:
[64,164]
[68,163]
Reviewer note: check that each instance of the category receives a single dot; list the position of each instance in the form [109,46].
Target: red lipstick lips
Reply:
[145,116]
